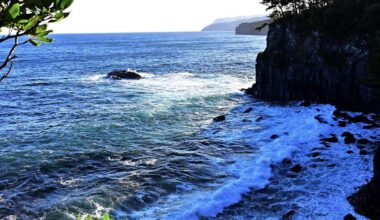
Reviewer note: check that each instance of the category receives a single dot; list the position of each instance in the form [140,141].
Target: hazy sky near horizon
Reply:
[100,16]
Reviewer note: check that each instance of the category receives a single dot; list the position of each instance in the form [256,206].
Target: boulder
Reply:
[123,74]
[248,110]
[297,168]
[348,138]
[219,118]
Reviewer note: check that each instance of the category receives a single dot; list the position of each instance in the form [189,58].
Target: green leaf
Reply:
[41,28]
[45,39]
[88,217]
[64,4]
[35,43]
[79,217]
[23,21]
[14,10]
[32,23]
[106,217]
[44,33]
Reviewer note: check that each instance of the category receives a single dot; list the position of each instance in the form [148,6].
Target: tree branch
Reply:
[10,57]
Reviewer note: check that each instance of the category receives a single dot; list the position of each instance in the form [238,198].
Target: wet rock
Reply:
[367,200]
[363,152]
[331,165]
[247,121]
[320,119]
[342,124]
[340,114]
[305,104]
[286,161]
[297,168]
[349,138]
[349,217]
[289,215]
[123,74]
[361,147]
[219,118]
[346,134]
[364,141]
[274,137]
[259,119]
[361,119]
[332,139]
[316,154]
[350,152]
[248,110]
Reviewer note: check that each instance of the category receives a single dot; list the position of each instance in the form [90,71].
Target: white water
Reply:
[299,132]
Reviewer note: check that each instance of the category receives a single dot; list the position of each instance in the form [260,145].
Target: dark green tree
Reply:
[26,21]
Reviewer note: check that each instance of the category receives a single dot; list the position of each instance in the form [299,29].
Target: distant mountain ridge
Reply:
[230,24]
[250,28]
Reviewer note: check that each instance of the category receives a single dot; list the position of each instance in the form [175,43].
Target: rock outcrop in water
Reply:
[299,66]
[123,74]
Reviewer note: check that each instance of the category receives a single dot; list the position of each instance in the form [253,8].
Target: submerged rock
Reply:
[297,168]
[289,215]
[364,141]
[332,139]
[320,119]
[274,137]
[219,118]
[259,119]
[123,74]
[248,110]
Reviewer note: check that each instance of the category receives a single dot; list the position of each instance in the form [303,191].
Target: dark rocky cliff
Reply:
[310,66]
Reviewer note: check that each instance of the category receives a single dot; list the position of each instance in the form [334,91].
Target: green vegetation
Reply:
[26,21]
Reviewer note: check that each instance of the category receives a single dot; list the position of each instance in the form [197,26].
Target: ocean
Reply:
[74,142]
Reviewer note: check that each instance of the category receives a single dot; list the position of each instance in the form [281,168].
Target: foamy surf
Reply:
[274,133]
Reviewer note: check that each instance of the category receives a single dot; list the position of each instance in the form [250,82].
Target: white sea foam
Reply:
[298,132]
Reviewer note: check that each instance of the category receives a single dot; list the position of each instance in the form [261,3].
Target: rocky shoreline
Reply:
[312,67]
[326,166]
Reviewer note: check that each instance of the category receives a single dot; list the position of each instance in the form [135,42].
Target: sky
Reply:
[105,16]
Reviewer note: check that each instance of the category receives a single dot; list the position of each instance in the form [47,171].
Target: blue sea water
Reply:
[75,142]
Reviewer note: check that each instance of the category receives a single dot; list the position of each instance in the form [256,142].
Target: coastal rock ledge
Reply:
[309,66]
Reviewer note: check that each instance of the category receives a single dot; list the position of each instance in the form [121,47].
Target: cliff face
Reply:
[298,65]
[250,28]
[309,66]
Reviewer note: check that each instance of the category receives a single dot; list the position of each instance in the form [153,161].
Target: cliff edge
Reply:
[299,66]
[318,56]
